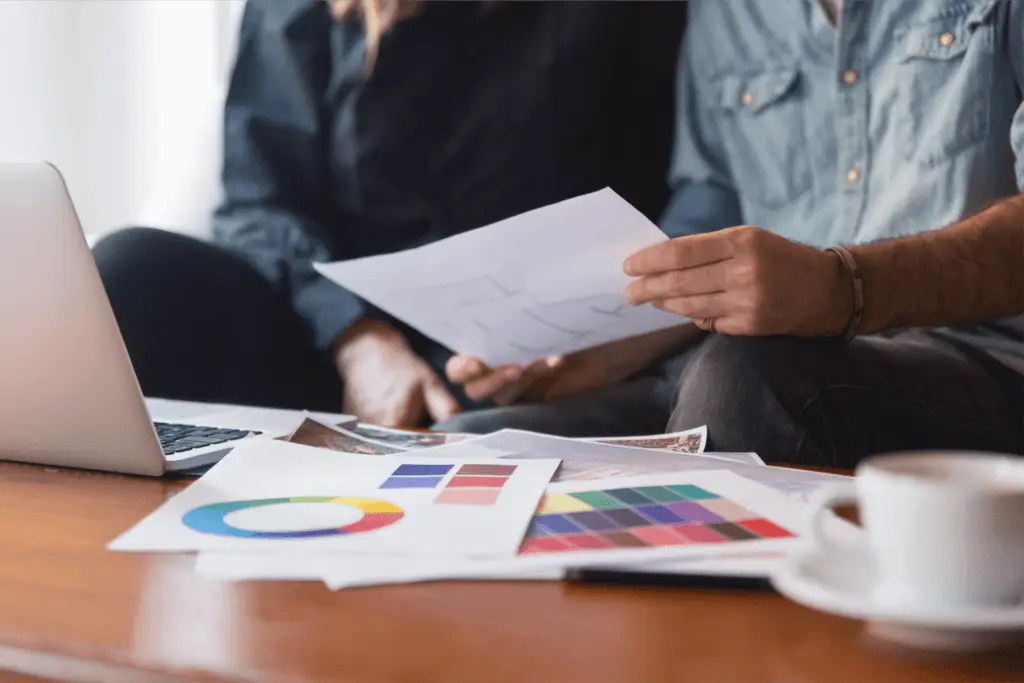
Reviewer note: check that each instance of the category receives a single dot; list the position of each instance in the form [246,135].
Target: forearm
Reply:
[969,272]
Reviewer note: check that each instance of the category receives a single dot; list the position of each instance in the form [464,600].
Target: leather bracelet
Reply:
[853,324]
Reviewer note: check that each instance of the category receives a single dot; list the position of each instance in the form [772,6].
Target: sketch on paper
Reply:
[493,294]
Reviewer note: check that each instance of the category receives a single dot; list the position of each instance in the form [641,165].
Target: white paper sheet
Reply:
[259,566]
[358,570]
[741,458]
[545,282]
[585,460]
[401,514]
[744,500]
[581,460]
[341,573]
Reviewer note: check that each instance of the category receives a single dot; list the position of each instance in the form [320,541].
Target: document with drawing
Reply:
[542,283]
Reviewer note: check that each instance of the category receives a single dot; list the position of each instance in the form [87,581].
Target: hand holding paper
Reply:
[548,282]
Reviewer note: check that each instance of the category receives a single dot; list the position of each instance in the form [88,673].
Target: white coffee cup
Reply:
[942,530]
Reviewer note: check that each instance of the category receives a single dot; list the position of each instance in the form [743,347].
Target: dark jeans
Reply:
[831,404]
[201,324]
[641,405]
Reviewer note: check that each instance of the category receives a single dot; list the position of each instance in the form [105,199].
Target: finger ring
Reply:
[709,323]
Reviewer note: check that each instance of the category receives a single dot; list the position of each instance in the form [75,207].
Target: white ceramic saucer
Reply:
[841,585]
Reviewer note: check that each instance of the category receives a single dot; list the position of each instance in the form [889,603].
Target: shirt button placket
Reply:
[852,114]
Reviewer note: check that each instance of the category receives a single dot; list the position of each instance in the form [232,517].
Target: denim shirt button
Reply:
[853,176]
[850,77]
[947,39]
[747,99]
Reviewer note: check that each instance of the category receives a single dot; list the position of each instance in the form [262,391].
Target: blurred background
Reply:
[125,97]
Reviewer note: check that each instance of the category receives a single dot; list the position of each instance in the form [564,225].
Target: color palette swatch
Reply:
[416,476]
[475,485]
[641,517]
[209,519]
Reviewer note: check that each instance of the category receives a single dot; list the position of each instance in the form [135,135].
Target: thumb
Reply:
[439,402]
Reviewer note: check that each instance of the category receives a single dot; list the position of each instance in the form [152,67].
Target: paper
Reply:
[259,566]
[359,571]
[585,460]
[690,442]
[741,458]
[581,460]
[546,282]
[407,440]
[318,435]
[274,496]
[797,484]
[629,520]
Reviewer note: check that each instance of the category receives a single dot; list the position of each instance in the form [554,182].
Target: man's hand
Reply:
[550,379]
[385,382]
[744,281]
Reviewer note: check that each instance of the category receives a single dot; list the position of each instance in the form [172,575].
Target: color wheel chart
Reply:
[471,485]
[641,517]
[209,519]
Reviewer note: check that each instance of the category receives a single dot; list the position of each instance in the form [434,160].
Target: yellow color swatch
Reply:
[555,503]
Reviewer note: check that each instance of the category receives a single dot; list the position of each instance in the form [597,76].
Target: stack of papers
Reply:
[356,505]
[509,505]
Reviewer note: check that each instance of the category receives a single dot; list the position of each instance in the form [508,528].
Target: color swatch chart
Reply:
[648,516]
[479,484]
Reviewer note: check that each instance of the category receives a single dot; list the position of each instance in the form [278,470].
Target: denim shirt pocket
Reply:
[946,75]
[763,134]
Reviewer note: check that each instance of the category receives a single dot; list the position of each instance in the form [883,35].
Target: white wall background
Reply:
[111,91]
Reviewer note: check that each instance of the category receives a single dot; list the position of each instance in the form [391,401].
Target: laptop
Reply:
[68,393]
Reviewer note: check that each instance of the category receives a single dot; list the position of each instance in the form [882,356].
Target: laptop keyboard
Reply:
[175,438]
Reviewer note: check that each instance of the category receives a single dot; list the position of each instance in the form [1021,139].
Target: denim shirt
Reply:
[904,117]
[474,112]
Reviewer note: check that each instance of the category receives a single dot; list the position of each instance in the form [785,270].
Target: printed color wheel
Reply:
[209,519]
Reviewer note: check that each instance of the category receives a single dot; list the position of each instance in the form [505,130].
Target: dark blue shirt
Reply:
[474,112]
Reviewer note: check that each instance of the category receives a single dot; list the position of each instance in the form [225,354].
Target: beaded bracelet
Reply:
[857,285]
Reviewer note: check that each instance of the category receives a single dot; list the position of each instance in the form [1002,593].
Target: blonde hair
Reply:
[378,16]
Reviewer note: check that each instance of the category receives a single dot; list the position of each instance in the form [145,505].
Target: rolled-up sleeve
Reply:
[1017,55]
[274,210]
[703,196]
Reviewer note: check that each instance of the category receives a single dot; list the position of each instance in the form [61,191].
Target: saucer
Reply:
[841,585]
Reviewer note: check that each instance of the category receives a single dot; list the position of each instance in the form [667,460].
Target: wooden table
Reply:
[70,610]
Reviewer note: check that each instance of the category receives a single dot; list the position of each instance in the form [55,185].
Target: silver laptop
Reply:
[68,393]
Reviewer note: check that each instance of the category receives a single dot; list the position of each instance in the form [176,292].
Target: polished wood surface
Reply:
[71,610]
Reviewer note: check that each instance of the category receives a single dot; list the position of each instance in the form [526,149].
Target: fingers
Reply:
[493,382]
[678,283]
[440,404]
[680,253]
[697,307]
[537,370]
[508,381]
[403,415]
[462,369]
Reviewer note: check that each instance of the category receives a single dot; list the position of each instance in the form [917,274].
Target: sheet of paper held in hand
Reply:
[546,282]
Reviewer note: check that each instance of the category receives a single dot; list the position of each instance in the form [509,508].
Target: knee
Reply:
[482,421]
[750,392]
[137,251]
